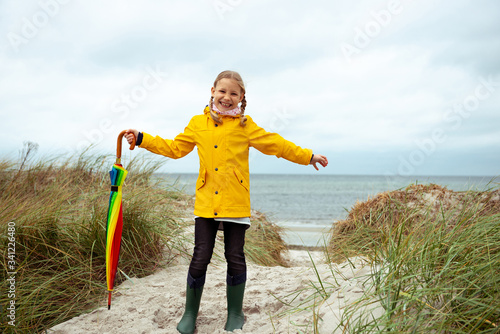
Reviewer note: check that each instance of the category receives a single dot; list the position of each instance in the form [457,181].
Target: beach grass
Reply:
[56,209]
[435,261]
[264,242]
[434,265]
[53,227]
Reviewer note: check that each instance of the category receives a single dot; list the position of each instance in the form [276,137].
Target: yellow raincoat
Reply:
[223,185]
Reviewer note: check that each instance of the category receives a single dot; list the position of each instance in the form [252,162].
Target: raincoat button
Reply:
[216,169]
[216,192]
[216,125]
[215,146]
[215,214]
[241,181]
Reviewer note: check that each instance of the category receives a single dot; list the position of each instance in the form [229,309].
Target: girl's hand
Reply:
[130,135]
[318,158]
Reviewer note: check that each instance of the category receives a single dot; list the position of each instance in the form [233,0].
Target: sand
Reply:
[155,304]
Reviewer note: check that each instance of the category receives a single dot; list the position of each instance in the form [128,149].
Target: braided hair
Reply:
[235,76]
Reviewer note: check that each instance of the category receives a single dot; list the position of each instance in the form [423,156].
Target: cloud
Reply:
[85,74]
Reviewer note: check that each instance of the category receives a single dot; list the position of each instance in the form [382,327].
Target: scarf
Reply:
[233,112]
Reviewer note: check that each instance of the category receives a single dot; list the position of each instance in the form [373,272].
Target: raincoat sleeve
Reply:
[177,148]
[273,144]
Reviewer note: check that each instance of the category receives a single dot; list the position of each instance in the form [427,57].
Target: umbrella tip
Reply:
[109,307]
[109,300]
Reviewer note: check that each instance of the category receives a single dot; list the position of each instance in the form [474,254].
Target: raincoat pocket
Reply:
[241,180]
[201,179]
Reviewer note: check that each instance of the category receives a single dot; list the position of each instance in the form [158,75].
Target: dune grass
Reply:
[54,209]
[59,207]
[435,258]
[264,243]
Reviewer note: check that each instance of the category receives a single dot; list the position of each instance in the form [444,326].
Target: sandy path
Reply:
[154,304]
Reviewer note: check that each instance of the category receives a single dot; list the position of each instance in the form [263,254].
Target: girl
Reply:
[223,136]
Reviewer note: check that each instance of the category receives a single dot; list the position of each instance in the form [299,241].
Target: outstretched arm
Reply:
[177,148]
[318,158]
[273,144]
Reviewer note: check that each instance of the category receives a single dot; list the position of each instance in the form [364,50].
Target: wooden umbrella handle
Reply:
[119,145]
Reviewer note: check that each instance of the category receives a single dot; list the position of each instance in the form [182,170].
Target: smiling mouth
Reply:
[225,105]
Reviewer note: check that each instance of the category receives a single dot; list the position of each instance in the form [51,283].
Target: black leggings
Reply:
[204,240]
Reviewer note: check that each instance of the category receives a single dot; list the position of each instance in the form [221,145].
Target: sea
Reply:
[307,206]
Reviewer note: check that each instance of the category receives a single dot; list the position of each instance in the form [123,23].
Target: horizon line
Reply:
[331,174]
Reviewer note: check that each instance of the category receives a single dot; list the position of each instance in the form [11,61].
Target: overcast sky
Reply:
[380,87]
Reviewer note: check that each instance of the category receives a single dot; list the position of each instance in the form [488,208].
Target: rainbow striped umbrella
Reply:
[115,218]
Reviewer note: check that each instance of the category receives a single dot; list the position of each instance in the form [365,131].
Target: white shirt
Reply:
[244,220]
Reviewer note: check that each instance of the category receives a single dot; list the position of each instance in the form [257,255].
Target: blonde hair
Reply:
[235,76]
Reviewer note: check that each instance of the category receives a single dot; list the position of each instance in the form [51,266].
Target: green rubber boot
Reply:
[235,316]
[194,291]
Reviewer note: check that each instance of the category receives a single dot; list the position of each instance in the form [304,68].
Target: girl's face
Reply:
[227,94]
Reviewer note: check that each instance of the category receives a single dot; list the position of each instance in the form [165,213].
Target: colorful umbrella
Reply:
[115,218]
